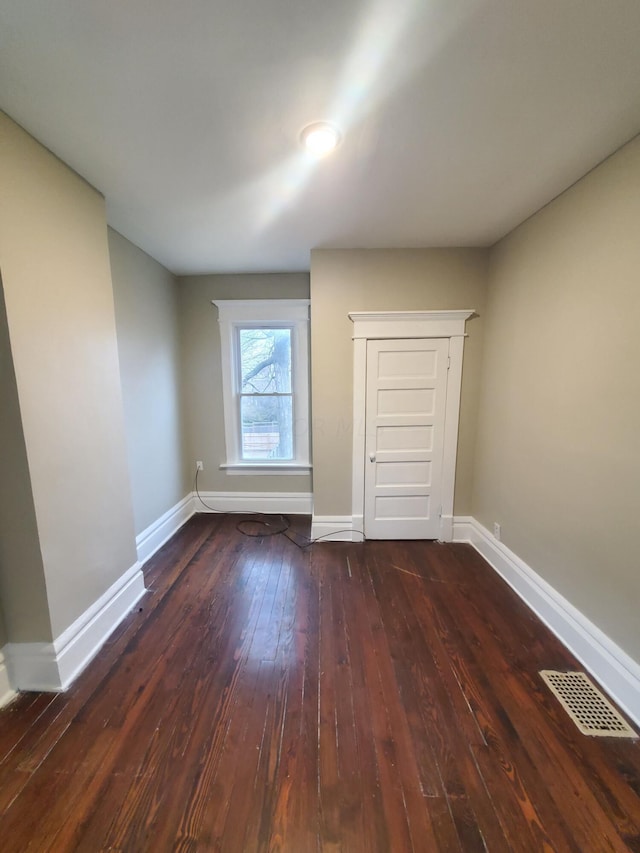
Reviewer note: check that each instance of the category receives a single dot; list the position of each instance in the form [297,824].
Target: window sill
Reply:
[265,468]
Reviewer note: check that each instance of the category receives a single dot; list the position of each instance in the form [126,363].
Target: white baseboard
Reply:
[289,503]
[463,528]
[53,666]
[616,671]
[336,528]
[6,691]
[154,536]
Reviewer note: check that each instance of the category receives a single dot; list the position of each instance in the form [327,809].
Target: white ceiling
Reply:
[460,117]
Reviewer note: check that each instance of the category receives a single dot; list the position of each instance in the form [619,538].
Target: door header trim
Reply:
[409,324]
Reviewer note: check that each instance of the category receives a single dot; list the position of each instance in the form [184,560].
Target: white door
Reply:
[406,396]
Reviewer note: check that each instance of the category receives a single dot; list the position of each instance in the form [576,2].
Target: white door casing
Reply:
[405,408]
[369,326]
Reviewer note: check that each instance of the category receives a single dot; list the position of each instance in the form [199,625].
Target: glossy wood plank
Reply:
[263,697]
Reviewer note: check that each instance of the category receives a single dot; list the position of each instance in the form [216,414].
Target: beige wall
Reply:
[146,306]
[25,610]
[344,280]
[59,304]
[202,374]
[558,459]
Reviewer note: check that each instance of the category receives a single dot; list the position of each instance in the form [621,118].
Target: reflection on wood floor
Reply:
[376,697]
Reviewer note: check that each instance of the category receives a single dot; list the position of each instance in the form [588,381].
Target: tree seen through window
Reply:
[266,399]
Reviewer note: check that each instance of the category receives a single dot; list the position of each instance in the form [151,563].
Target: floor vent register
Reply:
[592,713]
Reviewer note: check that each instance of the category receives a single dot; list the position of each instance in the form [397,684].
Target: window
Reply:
[266,393]
[265,365]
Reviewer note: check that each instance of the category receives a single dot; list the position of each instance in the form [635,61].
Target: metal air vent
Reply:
[592,713]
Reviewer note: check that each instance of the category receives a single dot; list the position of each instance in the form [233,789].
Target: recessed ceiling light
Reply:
[320,138]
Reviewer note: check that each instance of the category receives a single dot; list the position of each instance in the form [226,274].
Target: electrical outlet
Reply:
[497,532]
[199,466]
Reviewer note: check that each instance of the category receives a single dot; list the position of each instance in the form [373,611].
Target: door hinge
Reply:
[440,512]
[448,362]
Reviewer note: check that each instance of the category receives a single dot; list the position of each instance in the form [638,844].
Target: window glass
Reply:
[265,360]
[266,400]
[267,427]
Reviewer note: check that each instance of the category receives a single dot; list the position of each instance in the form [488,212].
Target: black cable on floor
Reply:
[265,520]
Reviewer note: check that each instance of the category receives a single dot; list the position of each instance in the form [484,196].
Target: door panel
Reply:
[404,401]
[403,507]
[399,365]
[403,473]
[407,438]
[405,408]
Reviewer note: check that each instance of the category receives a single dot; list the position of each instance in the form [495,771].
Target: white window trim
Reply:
[286,313]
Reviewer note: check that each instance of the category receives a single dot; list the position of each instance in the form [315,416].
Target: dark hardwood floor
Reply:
[376,697]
